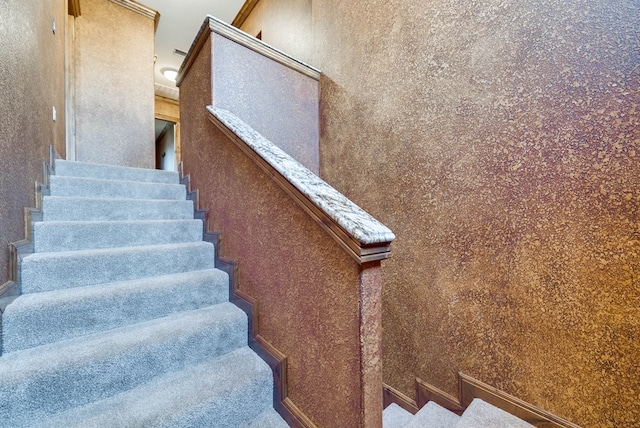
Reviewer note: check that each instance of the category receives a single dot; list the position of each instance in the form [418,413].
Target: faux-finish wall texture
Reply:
[114,86]
[500,141]
[31,84]
[303,280]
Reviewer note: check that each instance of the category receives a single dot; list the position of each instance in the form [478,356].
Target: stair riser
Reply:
[87,373]
[482,414]
[92,188]
[70,236]
[226,392]
[270,418]
[433,415]
[80,209]
[56,271]
[232,410]
[395,416]
[34,320]
[108,172]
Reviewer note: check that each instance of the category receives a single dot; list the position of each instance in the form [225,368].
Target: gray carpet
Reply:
[479,414]
[123,320]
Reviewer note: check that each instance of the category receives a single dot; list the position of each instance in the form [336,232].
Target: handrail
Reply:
[213,24]
[364,237]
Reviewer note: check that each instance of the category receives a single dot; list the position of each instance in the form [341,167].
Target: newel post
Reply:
[371,343]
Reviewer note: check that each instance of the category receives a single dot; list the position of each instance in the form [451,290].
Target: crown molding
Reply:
[140,9]
[214,25]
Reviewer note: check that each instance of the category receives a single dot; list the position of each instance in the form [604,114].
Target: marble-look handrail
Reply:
[364,237]
[213,24]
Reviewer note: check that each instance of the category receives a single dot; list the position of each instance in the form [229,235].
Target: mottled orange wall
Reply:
[31,83]
[306,285]
[500,141]
[114,85]
[283,23]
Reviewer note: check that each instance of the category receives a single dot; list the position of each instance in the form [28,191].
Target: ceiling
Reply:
[179,23]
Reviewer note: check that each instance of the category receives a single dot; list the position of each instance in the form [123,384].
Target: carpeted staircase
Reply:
[479,414]
[123,320]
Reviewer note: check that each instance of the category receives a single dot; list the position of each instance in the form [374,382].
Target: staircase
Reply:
[479,414]
[123,320]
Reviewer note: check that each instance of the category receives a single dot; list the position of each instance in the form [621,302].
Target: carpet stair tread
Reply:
[67,269]
[229,391]
[40,318]
[51,378]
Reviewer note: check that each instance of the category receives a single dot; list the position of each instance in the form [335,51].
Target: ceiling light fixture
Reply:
[170,73]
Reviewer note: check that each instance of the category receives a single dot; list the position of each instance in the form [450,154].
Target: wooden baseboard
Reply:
[391,395]
[10,290]
[426,393]
[470,388]
[276,360]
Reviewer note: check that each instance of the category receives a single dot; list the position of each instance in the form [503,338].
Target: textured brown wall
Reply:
[114,85]
[500,141]
[283,23]
[304,282]
[31,83]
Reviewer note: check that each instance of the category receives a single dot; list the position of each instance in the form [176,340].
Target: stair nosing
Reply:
[127,399]
[42,352]
[32,257]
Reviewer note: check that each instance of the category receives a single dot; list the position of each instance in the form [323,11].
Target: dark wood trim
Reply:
[426,393]
[276,360]
[74,8]
[470,388]
[214,25]
[293,415]
[244,13]
[10,290]
[362,253]
[391,395]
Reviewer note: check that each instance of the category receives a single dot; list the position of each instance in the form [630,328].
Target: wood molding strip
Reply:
[10,290]
[276,360]
[73,8]
[471,388]
[244,12]
[391,395]
[293,415]
[379,236]
[426,393]
[140,9]
[214,25]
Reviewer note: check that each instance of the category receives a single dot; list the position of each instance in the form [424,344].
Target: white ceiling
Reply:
[179,23]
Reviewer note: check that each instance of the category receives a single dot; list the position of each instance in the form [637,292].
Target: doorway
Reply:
[166,145]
